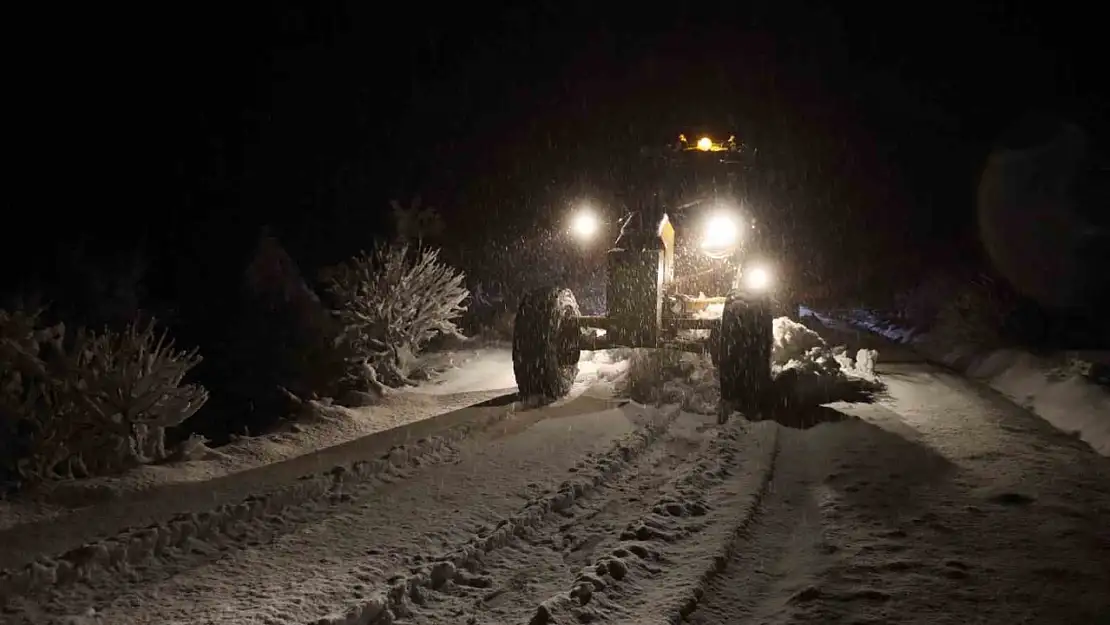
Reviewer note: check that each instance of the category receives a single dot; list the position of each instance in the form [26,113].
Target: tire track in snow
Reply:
[864,524]
[458,565]
[508,583]
[190,540]
[667,558]
[772,564]
[302,576]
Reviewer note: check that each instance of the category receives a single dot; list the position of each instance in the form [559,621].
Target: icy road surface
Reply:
[943,503]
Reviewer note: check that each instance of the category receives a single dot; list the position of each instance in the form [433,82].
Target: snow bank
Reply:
[882,326]
[461,377]
[606,365]
[1056,388]
[321,425]
[810,373]
[481,367]
[175,537]
[798,347]
[807,373]
[792,341]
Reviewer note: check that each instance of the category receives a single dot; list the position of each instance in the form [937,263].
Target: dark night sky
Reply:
[196,125]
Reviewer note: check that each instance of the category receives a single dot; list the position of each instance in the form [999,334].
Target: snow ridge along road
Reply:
[459,566]
[303,575]
[230,525]
[105,567]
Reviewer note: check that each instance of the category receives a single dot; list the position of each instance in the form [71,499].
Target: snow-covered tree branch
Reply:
[392,302]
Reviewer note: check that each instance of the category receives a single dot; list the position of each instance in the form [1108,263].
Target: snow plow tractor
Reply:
[668,252]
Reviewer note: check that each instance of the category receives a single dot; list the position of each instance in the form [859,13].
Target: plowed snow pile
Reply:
[605,367]
[798,347]
[806,369]
[810,373]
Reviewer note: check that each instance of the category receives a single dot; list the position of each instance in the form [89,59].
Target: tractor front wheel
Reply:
[744,354]
[546,343]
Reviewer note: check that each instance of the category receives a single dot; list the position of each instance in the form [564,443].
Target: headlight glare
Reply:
[585,224]
[758,278]
[722,231]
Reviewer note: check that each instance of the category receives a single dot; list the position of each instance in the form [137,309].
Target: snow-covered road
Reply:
[942,503]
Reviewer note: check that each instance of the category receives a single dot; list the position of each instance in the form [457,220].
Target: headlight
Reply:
[758,278]
[585,224]
[722,232]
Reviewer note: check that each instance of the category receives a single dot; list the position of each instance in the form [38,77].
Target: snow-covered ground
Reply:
[321,427]
[466,375]
[941,502]
[487,368]
[1057,387]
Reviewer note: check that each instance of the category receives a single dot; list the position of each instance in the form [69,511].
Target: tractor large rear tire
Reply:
[546,343]
[713,348]
[744,361]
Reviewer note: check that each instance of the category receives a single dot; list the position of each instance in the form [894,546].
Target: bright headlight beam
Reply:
[721,231]
[705,144]
[585,224]
[757,278]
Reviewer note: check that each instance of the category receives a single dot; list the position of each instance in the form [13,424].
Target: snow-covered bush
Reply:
[88,403]
[391,302]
